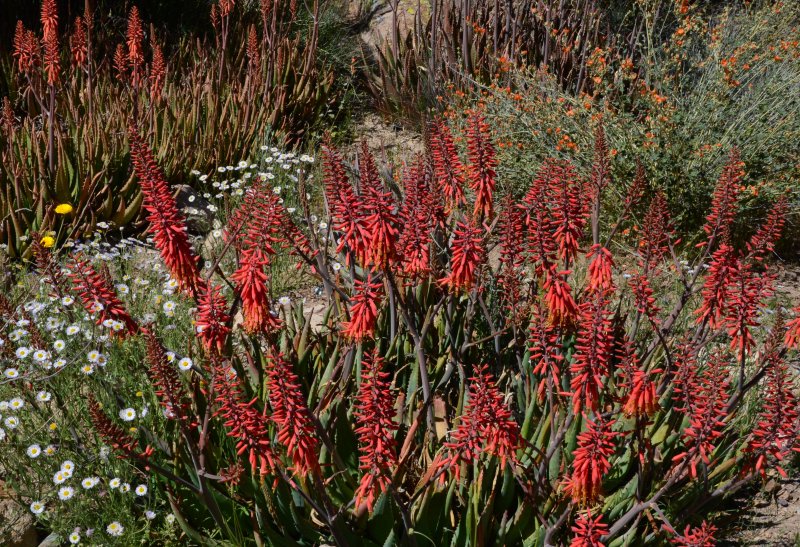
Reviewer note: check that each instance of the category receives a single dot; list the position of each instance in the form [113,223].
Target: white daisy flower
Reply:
[89,482]
[11,373]
[60,477]
[49,450]
[37,507]
[65,493]
[40,355]
[185,364]
[93,356]
[2,434]
[141,490]
[67,301]
[114,483]
[72,330]
[59,363]
[43,396]
[12,422]
[59,345]
[115,529]
[68,466]
[74,538]
[127,414]
[125,488]
[149,515]
[169,307]
[87,369]
[16,403]
[284,300]
[170,356]
[34,451]
[22,352]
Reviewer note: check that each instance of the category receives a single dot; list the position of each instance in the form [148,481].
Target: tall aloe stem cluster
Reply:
[75,84]
[487,371]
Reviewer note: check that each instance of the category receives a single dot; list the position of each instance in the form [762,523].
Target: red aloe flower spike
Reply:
[244,422]
[26,49]
[253,52]
[643,297]
[346,209]
[78,47]
[468,254]
[363,310]
[546,351]
[482,165]
[539,222]
[339,192]
[777,428]
[121,62]
[763,241]
[706,415]
[560,303]
[251,285]
[569,209]
[716,286]
[375,427]
[591,463]
[486,426]
[593,353]
[167,382]
[134,37]
[49,19]
[212,318]
[50,39]
[97,296]
[745,291]
[295,423]
[686,377]
[379,215]
[26,58]
[724,201]
[642,399]
[263,225]
[447,166]
[167,224]
[511,272]
[588,531]
[792,339]
[702,536]
[158,71]
[415,217]
[636,189]
[656,232]
[601,262]
[112,434]
[226,7]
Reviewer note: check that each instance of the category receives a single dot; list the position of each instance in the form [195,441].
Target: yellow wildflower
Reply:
[64,209]
[48,241]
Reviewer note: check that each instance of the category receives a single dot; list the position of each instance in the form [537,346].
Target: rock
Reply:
[199,220]
[17,526]
[51,541]
[213,243]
